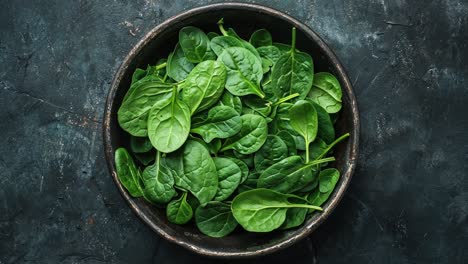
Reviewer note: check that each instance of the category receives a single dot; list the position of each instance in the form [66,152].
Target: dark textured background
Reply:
[408,200]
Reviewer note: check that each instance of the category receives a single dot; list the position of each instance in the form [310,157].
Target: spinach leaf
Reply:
[194,43]
[293,72]
[270,53]
[263,210]
[283,48]
[220,43]
[169,124]
[158,182]
[243,167]
[326,91]
[136,85]
[244,71]
[215,219]
[251,136]
[179,211]
[326,131]
[289,141]
[295,216]
[140,144]
[261,38]
[127,172]
[303,118]
[316,148]
[250,182]
[178,66]
[230,100]
[328,179]
[273,151]
[222,122]
[256,105]
[229,176]
[289,174]
[145,158]
[133,113]
[214,146]
[194,170]
[204,85]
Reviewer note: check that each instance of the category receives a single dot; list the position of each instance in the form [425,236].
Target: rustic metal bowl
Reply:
[244,18]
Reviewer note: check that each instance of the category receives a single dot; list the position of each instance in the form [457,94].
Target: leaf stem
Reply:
[221,27]
[286,98]
[307,153]
[318,208]
[160,66]
[338,140]
[293,42]
[318,161]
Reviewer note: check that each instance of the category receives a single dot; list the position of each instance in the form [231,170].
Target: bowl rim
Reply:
[301,232]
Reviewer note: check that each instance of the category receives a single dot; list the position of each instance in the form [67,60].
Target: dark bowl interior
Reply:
[244,18]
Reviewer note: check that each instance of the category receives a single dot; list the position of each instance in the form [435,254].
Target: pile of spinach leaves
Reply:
[227,131]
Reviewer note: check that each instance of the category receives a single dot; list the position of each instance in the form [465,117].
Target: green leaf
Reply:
[140,144]
[326,92]
[169,124]
[194,43]
[230,100]
[251,136]
[243,167]
[158,182]
[215,219]
[303,118]
[194,170]
[178,66]
[244,71]
[274,150]
[204,85]
[289,141]
[229,176]
[326,131]
[179,211]
[145,158]
[222,122]
[261,37]
[133,113]
[330,178]
[250,182]
[292,73]
[289,175]
[256,105]
[270,53]
[263,210]
[294,216]
[127,172]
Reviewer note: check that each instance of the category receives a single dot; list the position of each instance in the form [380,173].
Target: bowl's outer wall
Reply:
[244,18]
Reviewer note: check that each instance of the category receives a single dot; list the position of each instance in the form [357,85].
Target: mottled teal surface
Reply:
[408,200]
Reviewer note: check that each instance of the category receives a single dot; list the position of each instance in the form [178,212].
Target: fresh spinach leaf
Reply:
[303,118]
[243,167]
[250,182]
[169,124]
[204,85]
[194,170]
[215,219]
[158,182]
[326,91]
[179,211]
[146,158]
[256,105]
[194,43]
[289,141]
[222,122]
[229,176]
[328,179]
[325,131]
[251,136]
[261,37]
[230,100]
[289,175]
[263,210]
[244,71]
[133,113]
[127,172]
[293,72]
[178,66]
[140,144]
[273,151]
